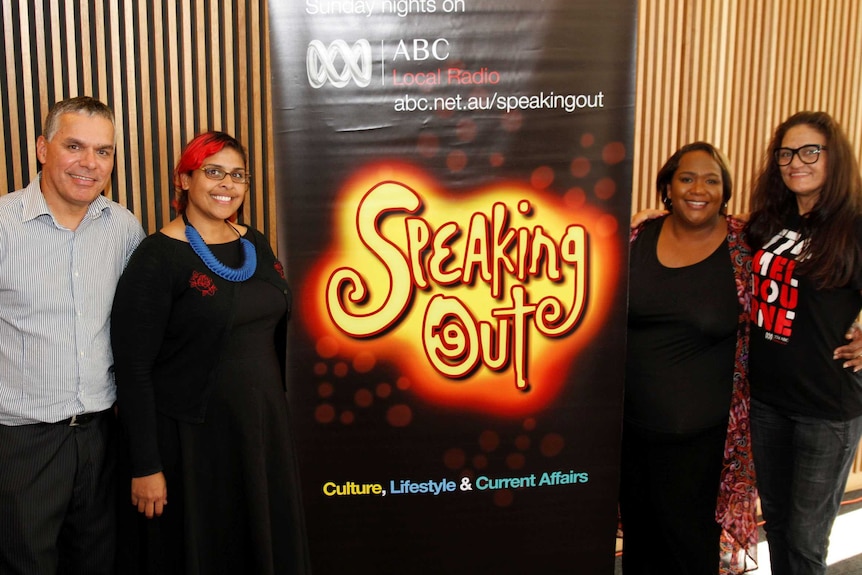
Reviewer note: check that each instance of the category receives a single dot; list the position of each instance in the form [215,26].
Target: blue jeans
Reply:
[802,467]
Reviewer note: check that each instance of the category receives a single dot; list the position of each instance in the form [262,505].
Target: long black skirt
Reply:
[233,494]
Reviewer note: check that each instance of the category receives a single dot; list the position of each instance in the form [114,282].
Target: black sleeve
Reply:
[856,278]
[267,258]
[139,318]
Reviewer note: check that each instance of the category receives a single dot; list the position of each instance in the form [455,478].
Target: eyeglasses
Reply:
[809,154]
[218,175]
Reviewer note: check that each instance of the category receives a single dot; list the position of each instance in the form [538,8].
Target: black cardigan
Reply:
[169,323]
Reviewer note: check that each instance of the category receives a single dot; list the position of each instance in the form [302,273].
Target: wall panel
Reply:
[729,71]
[168,69]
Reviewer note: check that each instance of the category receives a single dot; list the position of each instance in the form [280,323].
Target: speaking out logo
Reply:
[484,300]
[338,64]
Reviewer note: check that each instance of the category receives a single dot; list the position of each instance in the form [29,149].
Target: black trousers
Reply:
[57,498]
[668,493]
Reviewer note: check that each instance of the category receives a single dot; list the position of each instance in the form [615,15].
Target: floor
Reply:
[845,547]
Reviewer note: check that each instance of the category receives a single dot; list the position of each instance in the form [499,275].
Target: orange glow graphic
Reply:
[483,300]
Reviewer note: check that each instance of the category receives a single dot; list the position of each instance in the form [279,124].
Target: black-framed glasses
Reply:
[809,154]
[218,174]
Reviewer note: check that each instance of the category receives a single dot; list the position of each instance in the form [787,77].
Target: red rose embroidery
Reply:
[203,283]
[279,268]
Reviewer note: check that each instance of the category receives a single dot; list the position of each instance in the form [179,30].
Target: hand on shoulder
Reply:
[646,215]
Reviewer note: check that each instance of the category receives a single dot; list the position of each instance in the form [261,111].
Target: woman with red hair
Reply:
[198,331]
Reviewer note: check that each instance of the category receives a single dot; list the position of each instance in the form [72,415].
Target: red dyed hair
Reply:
[192,157]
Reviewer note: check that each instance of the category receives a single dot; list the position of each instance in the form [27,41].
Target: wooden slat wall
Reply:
[729,71]
[854,482]
[726,71]
[169,70]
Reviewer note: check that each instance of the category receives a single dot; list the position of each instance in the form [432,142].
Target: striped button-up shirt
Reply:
[56,291]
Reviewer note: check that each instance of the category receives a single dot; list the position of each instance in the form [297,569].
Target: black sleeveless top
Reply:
[682,326]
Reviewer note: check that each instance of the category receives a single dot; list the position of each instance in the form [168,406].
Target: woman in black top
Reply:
[806,228]
[198,330]
[686,467]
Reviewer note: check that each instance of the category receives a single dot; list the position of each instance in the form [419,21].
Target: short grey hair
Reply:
[78,105]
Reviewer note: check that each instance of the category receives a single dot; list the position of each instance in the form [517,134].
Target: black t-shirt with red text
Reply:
[795,327]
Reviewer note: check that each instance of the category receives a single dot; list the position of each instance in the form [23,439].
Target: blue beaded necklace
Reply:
[240,274]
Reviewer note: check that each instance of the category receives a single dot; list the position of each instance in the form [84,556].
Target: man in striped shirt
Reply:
[63,246]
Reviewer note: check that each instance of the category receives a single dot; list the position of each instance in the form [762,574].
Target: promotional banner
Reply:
[454,187]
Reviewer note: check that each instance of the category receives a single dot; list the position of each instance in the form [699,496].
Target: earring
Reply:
[668,204]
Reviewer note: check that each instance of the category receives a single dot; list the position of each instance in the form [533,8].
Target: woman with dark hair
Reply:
[198,332]
[687,487]
[806,415]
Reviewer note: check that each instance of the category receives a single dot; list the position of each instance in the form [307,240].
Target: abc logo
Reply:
[338,63]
